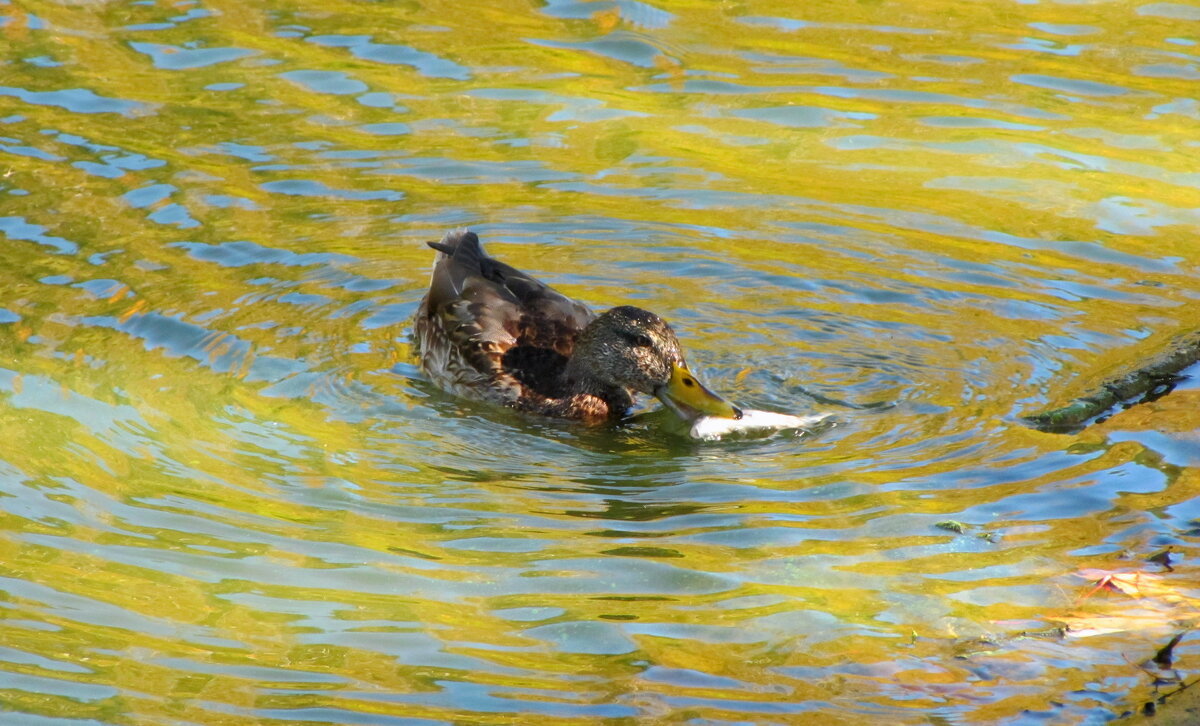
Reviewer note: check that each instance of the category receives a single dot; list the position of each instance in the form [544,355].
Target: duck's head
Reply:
[630,348]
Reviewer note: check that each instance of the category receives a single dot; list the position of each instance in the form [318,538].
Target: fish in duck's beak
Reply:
[690,399]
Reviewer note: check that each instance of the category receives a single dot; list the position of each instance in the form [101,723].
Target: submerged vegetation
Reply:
[1151,380]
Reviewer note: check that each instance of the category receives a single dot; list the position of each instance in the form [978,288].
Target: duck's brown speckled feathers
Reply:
[487,330]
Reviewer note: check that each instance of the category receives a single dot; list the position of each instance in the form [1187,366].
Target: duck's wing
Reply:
[484,309]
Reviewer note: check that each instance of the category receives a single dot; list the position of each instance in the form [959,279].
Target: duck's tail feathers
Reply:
[459,243]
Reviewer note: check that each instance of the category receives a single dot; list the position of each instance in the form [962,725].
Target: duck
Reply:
[489,332]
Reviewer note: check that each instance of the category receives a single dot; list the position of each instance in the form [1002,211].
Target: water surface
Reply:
[229,496]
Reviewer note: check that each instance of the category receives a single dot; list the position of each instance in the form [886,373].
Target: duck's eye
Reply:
[638,340]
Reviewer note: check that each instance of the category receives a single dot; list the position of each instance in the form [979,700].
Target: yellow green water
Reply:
[228,497]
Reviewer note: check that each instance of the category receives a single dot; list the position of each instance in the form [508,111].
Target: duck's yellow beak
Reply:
[690,399]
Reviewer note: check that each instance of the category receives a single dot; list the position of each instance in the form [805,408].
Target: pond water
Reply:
[229,497]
